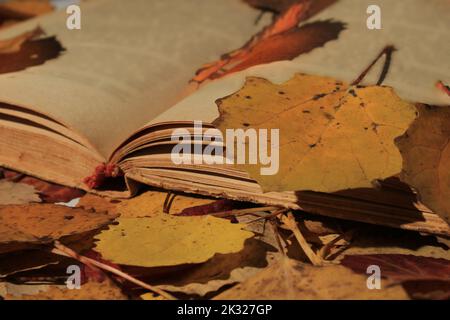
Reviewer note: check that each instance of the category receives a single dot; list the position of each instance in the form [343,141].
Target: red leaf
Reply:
[282,40]
[290,44]
[286,21]
[421,277]
[401,267]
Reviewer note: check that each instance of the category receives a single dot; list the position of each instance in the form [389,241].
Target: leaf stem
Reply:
[62,250]
[290,222]
[388,50]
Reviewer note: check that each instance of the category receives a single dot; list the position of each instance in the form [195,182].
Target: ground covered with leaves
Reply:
[161,245]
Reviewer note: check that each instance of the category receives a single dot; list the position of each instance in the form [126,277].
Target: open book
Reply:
[121,87]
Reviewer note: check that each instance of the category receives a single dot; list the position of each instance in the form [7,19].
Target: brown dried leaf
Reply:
[27,50]
[26,260]
[105,290]
[99,204]
[24,9]
[401,267]
[25,225]
[48,192]
[422,277]
[292,280]
[425,149]
[221,270]
[375,240]
[290,44]
[17,193]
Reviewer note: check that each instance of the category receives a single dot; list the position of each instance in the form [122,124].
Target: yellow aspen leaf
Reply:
[425,148]
[166,240]
[332,136]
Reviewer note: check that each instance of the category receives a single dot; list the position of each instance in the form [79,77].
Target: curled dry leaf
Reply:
[17,193]
[25,225]
[292,280]
[425,149]
[167,240]
[324,127]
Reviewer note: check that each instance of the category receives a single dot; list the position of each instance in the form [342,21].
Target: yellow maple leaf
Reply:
[332,136]
[167,240]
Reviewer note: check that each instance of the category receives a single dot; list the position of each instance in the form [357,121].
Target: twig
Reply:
[325,250]
[269,216]
[290,222]
[62,250]
[168,201]
[277,237]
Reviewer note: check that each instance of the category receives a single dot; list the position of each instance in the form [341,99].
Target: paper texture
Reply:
[417,28]
[128,63]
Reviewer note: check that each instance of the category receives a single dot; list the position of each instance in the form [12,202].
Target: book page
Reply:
[417,28]
[130,61]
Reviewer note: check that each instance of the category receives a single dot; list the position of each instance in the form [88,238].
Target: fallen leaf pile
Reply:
[244,254]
